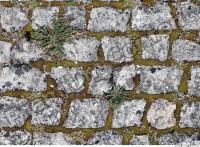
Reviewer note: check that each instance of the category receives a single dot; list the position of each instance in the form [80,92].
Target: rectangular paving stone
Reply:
[194,81]
[46,111]
[22,77]
[5,48]
[105,19]
[157,17]
[13,111]
[87,113]
[189,16]
[140,140]
[159,79]
[117,49]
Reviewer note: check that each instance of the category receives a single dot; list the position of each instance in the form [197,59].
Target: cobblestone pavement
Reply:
[151,48]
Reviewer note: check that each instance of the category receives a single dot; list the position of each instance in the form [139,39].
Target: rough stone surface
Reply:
[161,114]
[76,14]
[5,48]
[158,79]
[108,137]
[87,113]
[68,79]
[179,139]
[84,1]
[129,113]
[185,50]
[15,138]
[139,140]
[25,51]
[108,19]
[101,80]
[43,16]
[123,77]
[194,81]
[157,17]
[155,47]
[46,112]
[13,19]
[84,49]
[58,138]
[22,77]
[188,16]
[117,49]
[13,111]
[190,115]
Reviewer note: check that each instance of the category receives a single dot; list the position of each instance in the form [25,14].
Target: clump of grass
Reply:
[52,38]
[116,96]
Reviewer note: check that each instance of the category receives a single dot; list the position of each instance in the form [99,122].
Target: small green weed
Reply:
[116,96]
[52,38]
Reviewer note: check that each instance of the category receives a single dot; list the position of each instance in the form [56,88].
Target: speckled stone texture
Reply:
[139,140]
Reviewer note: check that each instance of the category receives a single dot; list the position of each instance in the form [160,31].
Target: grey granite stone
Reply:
[160,79]
[43,16]
[87,113]
[189,16]
[15,138]
[157,17]
[161,114]
[101,80]
[108,19]
[58,138]
[5,48]
[185,50]
[155,47]
[108,137]
[13,111]
[69,80]
[83,49]
[129,113]
[117,49]
[194,81]
[46,111]
[140,140]
[25,51]
[13,19]
[123,77]
[84,1]
[22,77]
[190,115]
[76,14]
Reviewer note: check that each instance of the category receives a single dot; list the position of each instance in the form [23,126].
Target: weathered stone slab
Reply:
[157,17]
[87,113]
[140,140]
[13,111]
[84,49]
[189,16]
[155,47]
[190,115]
[22,77]
[5,48]
[185,50]
[129,113]
[43,16]
[108,19]
[123,77]
[13,19]
[58,138]
[117,49]
[101,80]
[76,14]
[160,79]
[15,138]
[108,137]
[84,1]
[69,80]
[161,114]
[194,81]
[26,51]
[46,111]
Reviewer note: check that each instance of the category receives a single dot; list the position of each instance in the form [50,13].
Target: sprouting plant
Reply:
[52,38]
[116,96]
